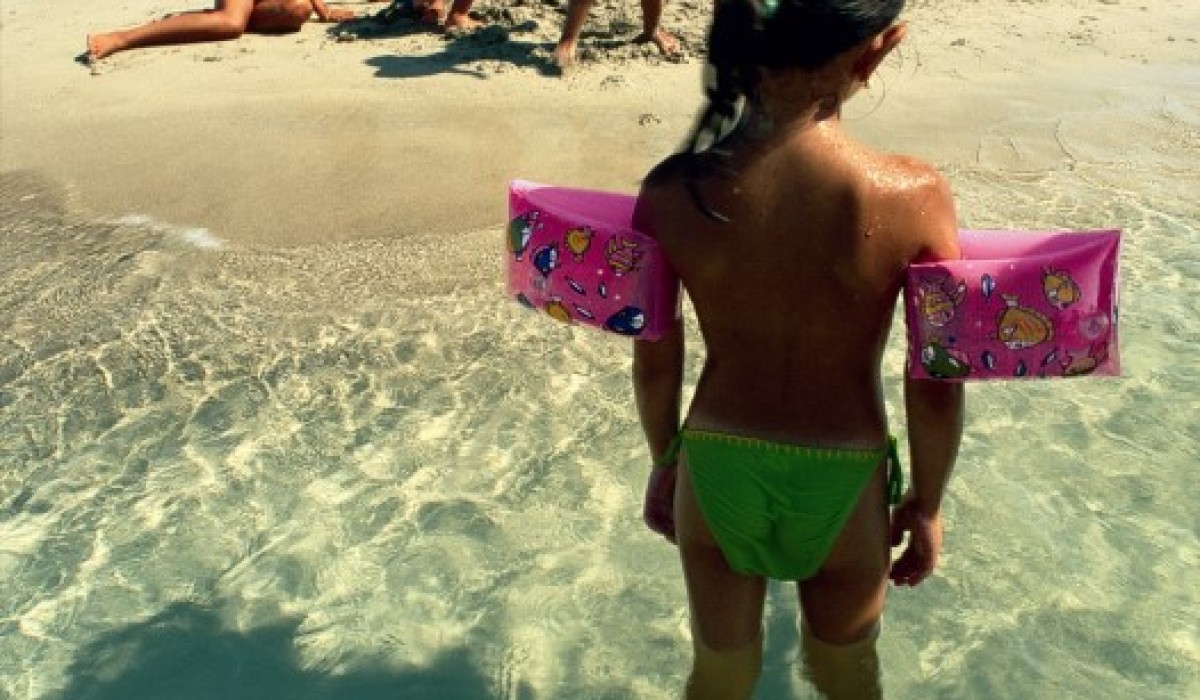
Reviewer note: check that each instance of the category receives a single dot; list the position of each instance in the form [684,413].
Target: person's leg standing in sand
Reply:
[565,53]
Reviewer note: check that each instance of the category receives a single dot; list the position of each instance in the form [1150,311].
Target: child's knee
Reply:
[728,673]
[848,670]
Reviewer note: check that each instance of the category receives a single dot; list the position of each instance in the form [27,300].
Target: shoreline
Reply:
[302,139]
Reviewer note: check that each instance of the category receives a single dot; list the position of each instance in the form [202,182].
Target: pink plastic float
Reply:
[1020,304]
[574,255]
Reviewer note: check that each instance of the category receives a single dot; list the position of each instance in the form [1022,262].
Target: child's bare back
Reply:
[795,292]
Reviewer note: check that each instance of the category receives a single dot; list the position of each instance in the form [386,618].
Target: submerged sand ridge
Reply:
[306,138]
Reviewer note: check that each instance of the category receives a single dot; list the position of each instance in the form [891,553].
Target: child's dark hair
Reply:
[749,35]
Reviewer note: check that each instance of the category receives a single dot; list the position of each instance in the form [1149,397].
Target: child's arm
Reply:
[935,420]
[657,386]
[934,415]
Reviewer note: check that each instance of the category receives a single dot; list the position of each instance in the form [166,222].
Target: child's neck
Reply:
[818,118]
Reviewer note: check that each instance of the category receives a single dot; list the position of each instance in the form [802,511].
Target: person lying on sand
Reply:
[229,19]
[577,12]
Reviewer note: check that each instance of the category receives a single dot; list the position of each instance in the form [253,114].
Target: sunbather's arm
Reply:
[325,14]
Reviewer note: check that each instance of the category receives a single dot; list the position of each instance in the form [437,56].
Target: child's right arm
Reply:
[935,419]
[934,415]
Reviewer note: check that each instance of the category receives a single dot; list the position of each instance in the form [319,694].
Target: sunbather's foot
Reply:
[102,45]
[664,40]
[431,13]
[458,23]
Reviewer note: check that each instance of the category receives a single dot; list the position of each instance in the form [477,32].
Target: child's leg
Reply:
[227,21]
[849,671]
[726,607]
[843,603]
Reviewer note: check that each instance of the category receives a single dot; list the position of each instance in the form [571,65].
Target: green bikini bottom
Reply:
[776,509]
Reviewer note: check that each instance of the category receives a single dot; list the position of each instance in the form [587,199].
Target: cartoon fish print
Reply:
[602,290]
[938,297]
[557,310]
[546,258]
[1020,327]
[943,362]
[1085,364]
[1061,291]
[988,359]
[584,313]
[578,240]
[520,230]
[622,255]
[576,287]
[628,321]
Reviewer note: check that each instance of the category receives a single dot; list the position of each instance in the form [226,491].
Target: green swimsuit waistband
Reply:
[895,475]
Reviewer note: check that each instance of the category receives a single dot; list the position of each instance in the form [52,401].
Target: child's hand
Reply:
[659,508]
[920,557]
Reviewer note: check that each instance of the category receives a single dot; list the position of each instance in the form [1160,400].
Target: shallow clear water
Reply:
[357,471]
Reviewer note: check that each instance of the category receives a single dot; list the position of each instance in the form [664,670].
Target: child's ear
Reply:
[878,49]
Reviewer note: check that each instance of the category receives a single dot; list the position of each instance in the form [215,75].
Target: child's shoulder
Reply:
[655,194]
[668,171]
[918,202]
[906,176]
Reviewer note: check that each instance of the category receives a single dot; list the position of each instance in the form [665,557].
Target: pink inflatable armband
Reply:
[1018,305]
[574,255]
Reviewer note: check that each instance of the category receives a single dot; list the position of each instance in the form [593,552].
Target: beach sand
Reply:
[362,131]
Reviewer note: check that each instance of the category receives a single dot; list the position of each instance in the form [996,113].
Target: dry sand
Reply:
[363,131]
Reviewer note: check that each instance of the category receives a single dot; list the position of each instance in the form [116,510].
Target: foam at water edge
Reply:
[197,237]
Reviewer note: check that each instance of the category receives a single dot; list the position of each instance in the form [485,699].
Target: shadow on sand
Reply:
[502,38]
[186,653]
[496,40]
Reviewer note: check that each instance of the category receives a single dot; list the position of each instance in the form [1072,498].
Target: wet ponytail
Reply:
[731,77]
[750,35]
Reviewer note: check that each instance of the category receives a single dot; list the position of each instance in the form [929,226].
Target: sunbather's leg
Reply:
[228,20]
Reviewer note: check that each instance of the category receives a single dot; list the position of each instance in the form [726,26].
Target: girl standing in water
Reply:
[791,239]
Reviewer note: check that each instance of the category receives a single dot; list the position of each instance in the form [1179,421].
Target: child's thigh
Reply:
[843,601]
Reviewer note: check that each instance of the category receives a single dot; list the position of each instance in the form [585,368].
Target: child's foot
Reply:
[664,40]
[101,46]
